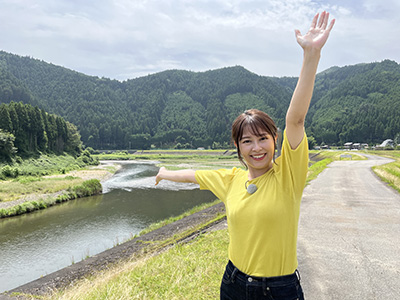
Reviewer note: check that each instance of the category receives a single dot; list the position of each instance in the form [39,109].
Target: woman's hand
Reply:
[177,176]
[318,34]
[312,43]
[159,176]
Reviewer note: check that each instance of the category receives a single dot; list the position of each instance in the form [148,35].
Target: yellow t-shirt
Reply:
[263,225]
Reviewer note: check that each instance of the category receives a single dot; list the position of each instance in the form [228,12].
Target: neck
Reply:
[254,173]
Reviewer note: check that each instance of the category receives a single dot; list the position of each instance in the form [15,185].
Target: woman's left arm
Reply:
[312,43]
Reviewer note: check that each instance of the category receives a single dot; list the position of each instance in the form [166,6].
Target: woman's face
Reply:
[257,151]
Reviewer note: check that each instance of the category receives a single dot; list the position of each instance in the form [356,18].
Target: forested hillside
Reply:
[28,130]
[193,109]
[357,103]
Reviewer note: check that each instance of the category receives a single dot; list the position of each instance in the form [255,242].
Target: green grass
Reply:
[87,188]
[185,271]
[169,155]
[395,154]
[41,166]
[26,185]
[162,223]
[161,156]
[315,169]
[389,173]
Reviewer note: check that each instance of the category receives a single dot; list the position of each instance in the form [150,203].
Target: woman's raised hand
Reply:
[318,34]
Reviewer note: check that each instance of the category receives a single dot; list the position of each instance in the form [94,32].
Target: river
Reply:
[45,241]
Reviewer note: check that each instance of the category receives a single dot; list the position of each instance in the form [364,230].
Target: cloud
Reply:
[125,39]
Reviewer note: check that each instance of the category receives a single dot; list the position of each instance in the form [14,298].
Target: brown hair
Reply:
[257,121]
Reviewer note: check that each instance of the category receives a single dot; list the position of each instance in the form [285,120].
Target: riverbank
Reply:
[149,244]
[102,172]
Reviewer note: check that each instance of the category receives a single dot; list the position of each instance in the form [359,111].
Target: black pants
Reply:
[237,285]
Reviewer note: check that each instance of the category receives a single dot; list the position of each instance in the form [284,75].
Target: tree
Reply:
[34,130]
[5,120]
[7,149]
[73,144]
[139,141]
[311,142]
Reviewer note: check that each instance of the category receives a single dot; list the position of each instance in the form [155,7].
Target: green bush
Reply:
[6,171]
[10,172]
[3,213]
[87,188]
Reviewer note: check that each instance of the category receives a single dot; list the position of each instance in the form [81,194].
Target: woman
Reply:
[263,203]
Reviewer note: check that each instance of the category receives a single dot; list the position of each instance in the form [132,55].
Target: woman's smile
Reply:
[258,157]
[257,151]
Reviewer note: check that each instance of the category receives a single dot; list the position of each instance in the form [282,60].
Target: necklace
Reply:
[251,189]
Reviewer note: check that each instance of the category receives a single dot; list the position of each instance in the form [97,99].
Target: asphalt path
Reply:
[349,234]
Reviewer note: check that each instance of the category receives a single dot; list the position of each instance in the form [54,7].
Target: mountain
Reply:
[359,103]
[197,108]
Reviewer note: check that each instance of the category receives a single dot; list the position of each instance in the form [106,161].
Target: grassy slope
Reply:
[389,173]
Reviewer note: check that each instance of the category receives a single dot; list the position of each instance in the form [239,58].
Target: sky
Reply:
[122,39]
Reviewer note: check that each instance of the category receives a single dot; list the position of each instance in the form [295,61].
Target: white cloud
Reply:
[125,39]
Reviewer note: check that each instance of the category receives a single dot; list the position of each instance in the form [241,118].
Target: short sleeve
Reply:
[293,165]
[216,181]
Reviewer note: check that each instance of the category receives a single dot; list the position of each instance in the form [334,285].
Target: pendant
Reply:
[251,189]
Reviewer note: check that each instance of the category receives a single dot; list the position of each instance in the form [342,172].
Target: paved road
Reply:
[349,234]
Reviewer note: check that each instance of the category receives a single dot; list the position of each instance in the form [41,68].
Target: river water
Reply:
[45,241]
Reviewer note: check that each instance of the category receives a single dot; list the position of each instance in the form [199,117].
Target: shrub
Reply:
[27,207]
[10,172]
[6,171]
[87,188]
[3,213]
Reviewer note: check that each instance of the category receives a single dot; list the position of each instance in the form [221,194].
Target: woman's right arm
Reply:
[177,176]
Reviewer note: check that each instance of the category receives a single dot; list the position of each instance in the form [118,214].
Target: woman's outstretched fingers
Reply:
[314,22]
[158,177]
